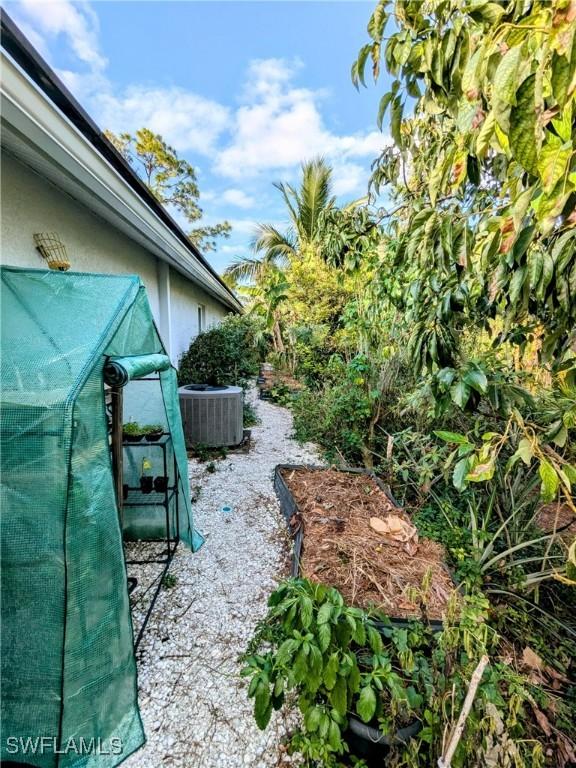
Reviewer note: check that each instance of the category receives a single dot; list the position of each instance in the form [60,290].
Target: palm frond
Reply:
[277,247]
[315,195]
[245,268]
[289,195]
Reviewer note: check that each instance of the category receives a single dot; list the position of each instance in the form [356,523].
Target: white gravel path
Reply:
[194,705]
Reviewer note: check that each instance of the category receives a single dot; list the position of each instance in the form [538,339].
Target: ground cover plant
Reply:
[340,662]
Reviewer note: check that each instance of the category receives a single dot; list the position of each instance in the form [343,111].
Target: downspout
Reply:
[165,314]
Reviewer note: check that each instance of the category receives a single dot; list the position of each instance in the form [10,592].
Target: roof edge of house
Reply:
[28,58]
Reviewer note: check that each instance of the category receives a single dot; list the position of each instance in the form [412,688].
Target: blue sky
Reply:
[244,90]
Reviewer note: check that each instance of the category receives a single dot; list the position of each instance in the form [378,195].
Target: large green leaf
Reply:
[550,481]
[451,437]
[560,78]
[339,696]
[535,266]
[396,120]
[523,137]
[460,392]
[312,718]
[366,705]
[331,671]
[476,379]
[262,706]
[460,473]
[505,82]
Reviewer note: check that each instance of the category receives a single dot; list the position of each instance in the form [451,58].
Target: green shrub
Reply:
[281,394]
[336,417]
[249,415]
[224,355]
[335,660]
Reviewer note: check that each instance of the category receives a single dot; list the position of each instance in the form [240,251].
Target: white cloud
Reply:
[243,226]
[184,119]
[278,126]
[238,198]
[273,128]
[349,178]
[76,21]
[234,249]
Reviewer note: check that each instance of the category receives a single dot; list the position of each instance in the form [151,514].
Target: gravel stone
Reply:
[193,703]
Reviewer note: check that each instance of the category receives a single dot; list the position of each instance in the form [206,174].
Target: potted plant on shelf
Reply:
[146,479]
[161,484]
[132,432]
[153,432]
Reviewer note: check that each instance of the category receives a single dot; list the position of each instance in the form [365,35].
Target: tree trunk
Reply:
[278,342]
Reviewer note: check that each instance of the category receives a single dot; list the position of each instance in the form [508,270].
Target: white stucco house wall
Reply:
[60,174]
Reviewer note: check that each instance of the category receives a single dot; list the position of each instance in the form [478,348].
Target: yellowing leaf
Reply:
[550,481]
[485,135]
[470,83]
[482,472]
[524,451]
[553,161]
[521,206]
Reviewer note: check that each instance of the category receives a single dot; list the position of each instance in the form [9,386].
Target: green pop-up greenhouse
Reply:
[67,654]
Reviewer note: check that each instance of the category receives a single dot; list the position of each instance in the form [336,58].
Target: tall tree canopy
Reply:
[483,168]
[171,179]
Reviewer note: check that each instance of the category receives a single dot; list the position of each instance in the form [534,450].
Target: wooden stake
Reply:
[446,760]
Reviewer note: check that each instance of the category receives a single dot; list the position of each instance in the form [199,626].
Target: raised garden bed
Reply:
[270,381]
[329,514]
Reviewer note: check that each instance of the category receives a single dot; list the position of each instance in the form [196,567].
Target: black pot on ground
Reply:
[368,742]
[146,484]
[160,484]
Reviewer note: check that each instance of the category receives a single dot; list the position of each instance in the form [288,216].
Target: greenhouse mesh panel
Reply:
[68,671]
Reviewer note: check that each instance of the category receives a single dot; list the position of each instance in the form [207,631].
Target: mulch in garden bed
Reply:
[273,379]
[341,547]
[559,518]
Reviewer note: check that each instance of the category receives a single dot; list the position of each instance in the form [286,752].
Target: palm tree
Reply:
[276,251]
[304,233]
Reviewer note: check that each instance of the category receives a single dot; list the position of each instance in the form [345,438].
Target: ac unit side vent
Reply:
[212,416]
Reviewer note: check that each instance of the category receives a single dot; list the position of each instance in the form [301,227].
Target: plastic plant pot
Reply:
[132,438]
[160,484]
[153,437]
[368,742]
[146,484]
